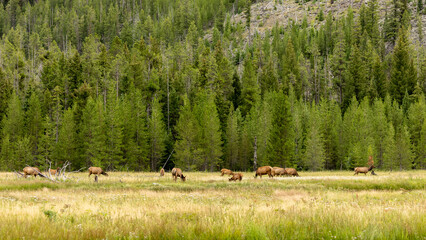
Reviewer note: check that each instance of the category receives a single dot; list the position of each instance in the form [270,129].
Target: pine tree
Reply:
[232,139]
[34,123]
[281,144]
[421,149]
[92,134]
[403,72]
[135,136]
[66,147]
[389,148]
[157,134]
[209,137]
[404,155]
[187,151]
[250,89]
[314,155]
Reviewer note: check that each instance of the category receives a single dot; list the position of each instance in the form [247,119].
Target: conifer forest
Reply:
[124,85]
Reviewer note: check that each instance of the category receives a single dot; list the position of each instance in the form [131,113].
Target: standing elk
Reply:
[263,171]
[279,171]
[292,172]
[177,172]
[365,170]
[97,171]
[162,172]
[32,171]
[236,176]
[225,171]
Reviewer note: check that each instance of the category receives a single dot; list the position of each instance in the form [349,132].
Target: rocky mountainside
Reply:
[266,14]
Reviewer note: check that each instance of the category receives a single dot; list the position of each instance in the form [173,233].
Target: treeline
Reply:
[123,84]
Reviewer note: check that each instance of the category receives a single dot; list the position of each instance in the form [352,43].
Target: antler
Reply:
[370,160]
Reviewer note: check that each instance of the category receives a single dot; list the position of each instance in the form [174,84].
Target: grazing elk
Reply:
[236,176]
[97,171]
[32,171]
[264,170]
[162,172]
[225,171]
[279,171]
[54,172]
[177,172]
[292,172]
[365,170]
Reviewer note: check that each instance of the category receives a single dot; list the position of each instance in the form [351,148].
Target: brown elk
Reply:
[225,171]
[162,172]
[97,171]
[365,170]
[236,176]
[53,172]
[291,172]
[279,171]
[32,171]
[177,172]
[264,170]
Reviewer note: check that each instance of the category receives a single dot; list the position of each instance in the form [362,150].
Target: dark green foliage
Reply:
[121,85]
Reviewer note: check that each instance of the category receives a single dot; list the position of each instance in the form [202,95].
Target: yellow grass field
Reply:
[317,205]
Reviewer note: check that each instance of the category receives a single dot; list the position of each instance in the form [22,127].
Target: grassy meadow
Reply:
[318,205]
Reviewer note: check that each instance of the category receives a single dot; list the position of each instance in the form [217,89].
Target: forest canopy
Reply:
[125,84]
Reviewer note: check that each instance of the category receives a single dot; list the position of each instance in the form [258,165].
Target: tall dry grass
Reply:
[326,205]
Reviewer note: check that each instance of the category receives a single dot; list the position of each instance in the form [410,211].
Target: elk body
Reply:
[53,172]
[364,170]
[225,171]
[177,172]
[97,171]
[236,176]
[279,171]
[162,172]
[292,172]
[32,171]
[264,170]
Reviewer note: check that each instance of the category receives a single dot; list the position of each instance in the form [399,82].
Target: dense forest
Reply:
[126,84]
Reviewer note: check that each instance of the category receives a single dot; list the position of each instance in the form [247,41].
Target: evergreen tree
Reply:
[250,88]
[157,134]
[187,150]
[403,72]
[280,143]
[404,155]
[314,155]
[232,139]
[66,146]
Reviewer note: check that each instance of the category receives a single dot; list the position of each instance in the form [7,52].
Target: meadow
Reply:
[318,205]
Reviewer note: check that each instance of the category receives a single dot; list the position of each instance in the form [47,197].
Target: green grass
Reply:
[318,205]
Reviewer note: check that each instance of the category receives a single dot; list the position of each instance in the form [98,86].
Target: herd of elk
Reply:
[177,172]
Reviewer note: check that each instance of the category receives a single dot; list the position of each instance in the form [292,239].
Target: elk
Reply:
[236,176]
[263,171]
[365,170]
[32,171]
[97,171]
[53,172]
[177,172]
[292,172]
[225,171]
[279,171]
[162,172]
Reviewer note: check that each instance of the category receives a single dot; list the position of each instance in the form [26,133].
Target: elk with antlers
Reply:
[365,170]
